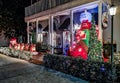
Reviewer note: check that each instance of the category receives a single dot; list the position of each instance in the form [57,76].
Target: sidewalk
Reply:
[13,70]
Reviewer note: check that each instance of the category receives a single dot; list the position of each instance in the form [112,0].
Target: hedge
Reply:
[98,72]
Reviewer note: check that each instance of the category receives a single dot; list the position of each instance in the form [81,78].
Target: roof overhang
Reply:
[62,9]
[58,9]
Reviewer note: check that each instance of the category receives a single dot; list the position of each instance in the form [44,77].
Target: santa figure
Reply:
[82,36]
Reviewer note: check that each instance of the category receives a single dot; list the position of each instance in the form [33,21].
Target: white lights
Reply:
[80,49]
[112,10]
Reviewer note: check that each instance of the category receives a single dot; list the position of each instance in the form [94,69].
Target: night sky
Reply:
[12,15]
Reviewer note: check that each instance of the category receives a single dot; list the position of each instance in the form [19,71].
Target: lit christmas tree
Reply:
[95,46]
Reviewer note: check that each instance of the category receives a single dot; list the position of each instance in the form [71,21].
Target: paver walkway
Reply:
[13,70]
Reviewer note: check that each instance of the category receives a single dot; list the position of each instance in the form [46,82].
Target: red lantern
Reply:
[18,48]
[33,48]
[13,41]
[22,46]
[10,46]
[26,47]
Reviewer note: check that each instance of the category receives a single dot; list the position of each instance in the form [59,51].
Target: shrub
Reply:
[92,71]
[16,53]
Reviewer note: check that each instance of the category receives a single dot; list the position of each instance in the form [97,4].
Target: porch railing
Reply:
[43,5]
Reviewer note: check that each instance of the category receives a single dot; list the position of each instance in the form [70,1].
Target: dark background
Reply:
[12,17]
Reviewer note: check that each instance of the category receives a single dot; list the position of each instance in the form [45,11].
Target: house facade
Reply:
[56,22]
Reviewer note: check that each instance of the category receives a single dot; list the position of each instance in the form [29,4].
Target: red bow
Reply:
[86,25]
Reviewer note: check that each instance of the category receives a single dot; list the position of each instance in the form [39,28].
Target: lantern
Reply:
[18,46]
[112,10]
[22,46]
[33,48]
[13,41]
[26,47]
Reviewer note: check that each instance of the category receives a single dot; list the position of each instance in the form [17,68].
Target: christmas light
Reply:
[80,50]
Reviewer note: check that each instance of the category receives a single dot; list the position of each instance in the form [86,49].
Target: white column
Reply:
[51,33]
[100,21]
[71,27]
[27,32]
[36,30]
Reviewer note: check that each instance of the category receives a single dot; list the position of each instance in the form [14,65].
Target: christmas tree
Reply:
[95,46]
